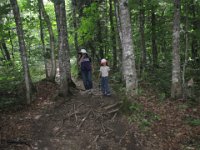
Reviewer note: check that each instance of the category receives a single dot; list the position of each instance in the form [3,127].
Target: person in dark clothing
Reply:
[86,69]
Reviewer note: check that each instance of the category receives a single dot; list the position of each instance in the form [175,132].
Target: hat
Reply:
[103,61]
[83,51]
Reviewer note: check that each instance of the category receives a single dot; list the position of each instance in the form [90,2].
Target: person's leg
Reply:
[107,89]
[87,80]
[90,86]
[103,85]
[84,78]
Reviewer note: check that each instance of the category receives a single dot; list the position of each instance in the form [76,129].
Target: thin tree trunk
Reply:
[2,52]
[5,49]
[186,51]
[195,25]
[52,40]
[118,40]
[154,45]
[176,90]
[23,52]
[64,58]
[101,52]
[128,60]
[11,43]
[75,22]
[42,39]
[142,36]
[113,36]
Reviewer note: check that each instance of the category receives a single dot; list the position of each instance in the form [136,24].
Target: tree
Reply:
[142,35]
[176,90]
[128,58]
[5,50]
[23,53]
[195,25]
[153,38]
[52,40]
[63,50]
[113,35]
[42,37]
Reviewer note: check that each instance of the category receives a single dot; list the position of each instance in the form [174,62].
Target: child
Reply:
[104,72]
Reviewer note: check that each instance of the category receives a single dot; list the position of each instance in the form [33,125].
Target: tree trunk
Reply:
[52,40]
[23,53]
[5,49]
[118,41]
[195,25]
[176,90]
[63,51]
[75,22]
[154,45]
[128,58]
[42,39]
[100,41]
[113,36]
[2,52]
[186,52]
[11,43]
[142,36]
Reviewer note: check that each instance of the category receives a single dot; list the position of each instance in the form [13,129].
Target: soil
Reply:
[82,122]
[87,121]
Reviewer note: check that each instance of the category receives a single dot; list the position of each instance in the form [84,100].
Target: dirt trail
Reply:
[84,122]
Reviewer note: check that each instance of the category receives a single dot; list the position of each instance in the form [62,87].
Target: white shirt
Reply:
[104,71]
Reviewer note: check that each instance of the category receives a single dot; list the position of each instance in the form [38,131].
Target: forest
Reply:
[152,50]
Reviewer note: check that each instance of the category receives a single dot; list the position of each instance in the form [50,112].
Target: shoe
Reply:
[108,94]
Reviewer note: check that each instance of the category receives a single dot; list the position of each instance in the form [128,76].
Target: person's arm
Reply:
[81,59]
[100,72]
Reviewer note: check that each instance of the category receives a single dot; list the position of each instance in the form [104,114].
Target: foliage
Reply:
[74,67]
[10,76]
[88,24]
[192,121]
[143,118]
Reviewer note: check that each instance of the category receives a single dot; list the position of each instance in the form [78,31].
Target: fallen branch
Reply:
[83,120]
[75,112]
[16,141]
[126,133]
[96,138]
[103,127]
[113,111]
[111,106]
[113,118]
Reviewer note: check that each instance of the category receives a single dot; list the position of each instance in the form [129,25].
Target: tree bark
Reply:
[118,41]
[176,89]
[113,36]
[100,41]
[75,24]
[42,38]
[142,35]
[5,49]
[128,58]
[154,44]
[63,51]
[195,25]
[52,40]
[186,52]
[23,53]
[11,43]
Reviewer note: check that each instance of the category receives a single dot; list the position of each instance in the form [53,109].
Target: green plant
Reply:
[193,122]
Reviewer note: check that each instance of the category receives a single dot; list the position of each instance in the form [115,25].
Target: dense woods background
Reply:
[151,46]
[159,45]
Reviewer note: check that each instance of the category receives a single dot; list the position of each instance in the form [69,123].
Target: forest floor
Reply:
[94,122]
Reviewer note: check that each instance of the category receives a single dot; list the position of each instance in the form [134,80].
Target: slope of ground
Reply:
[84,121]
[92,122]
